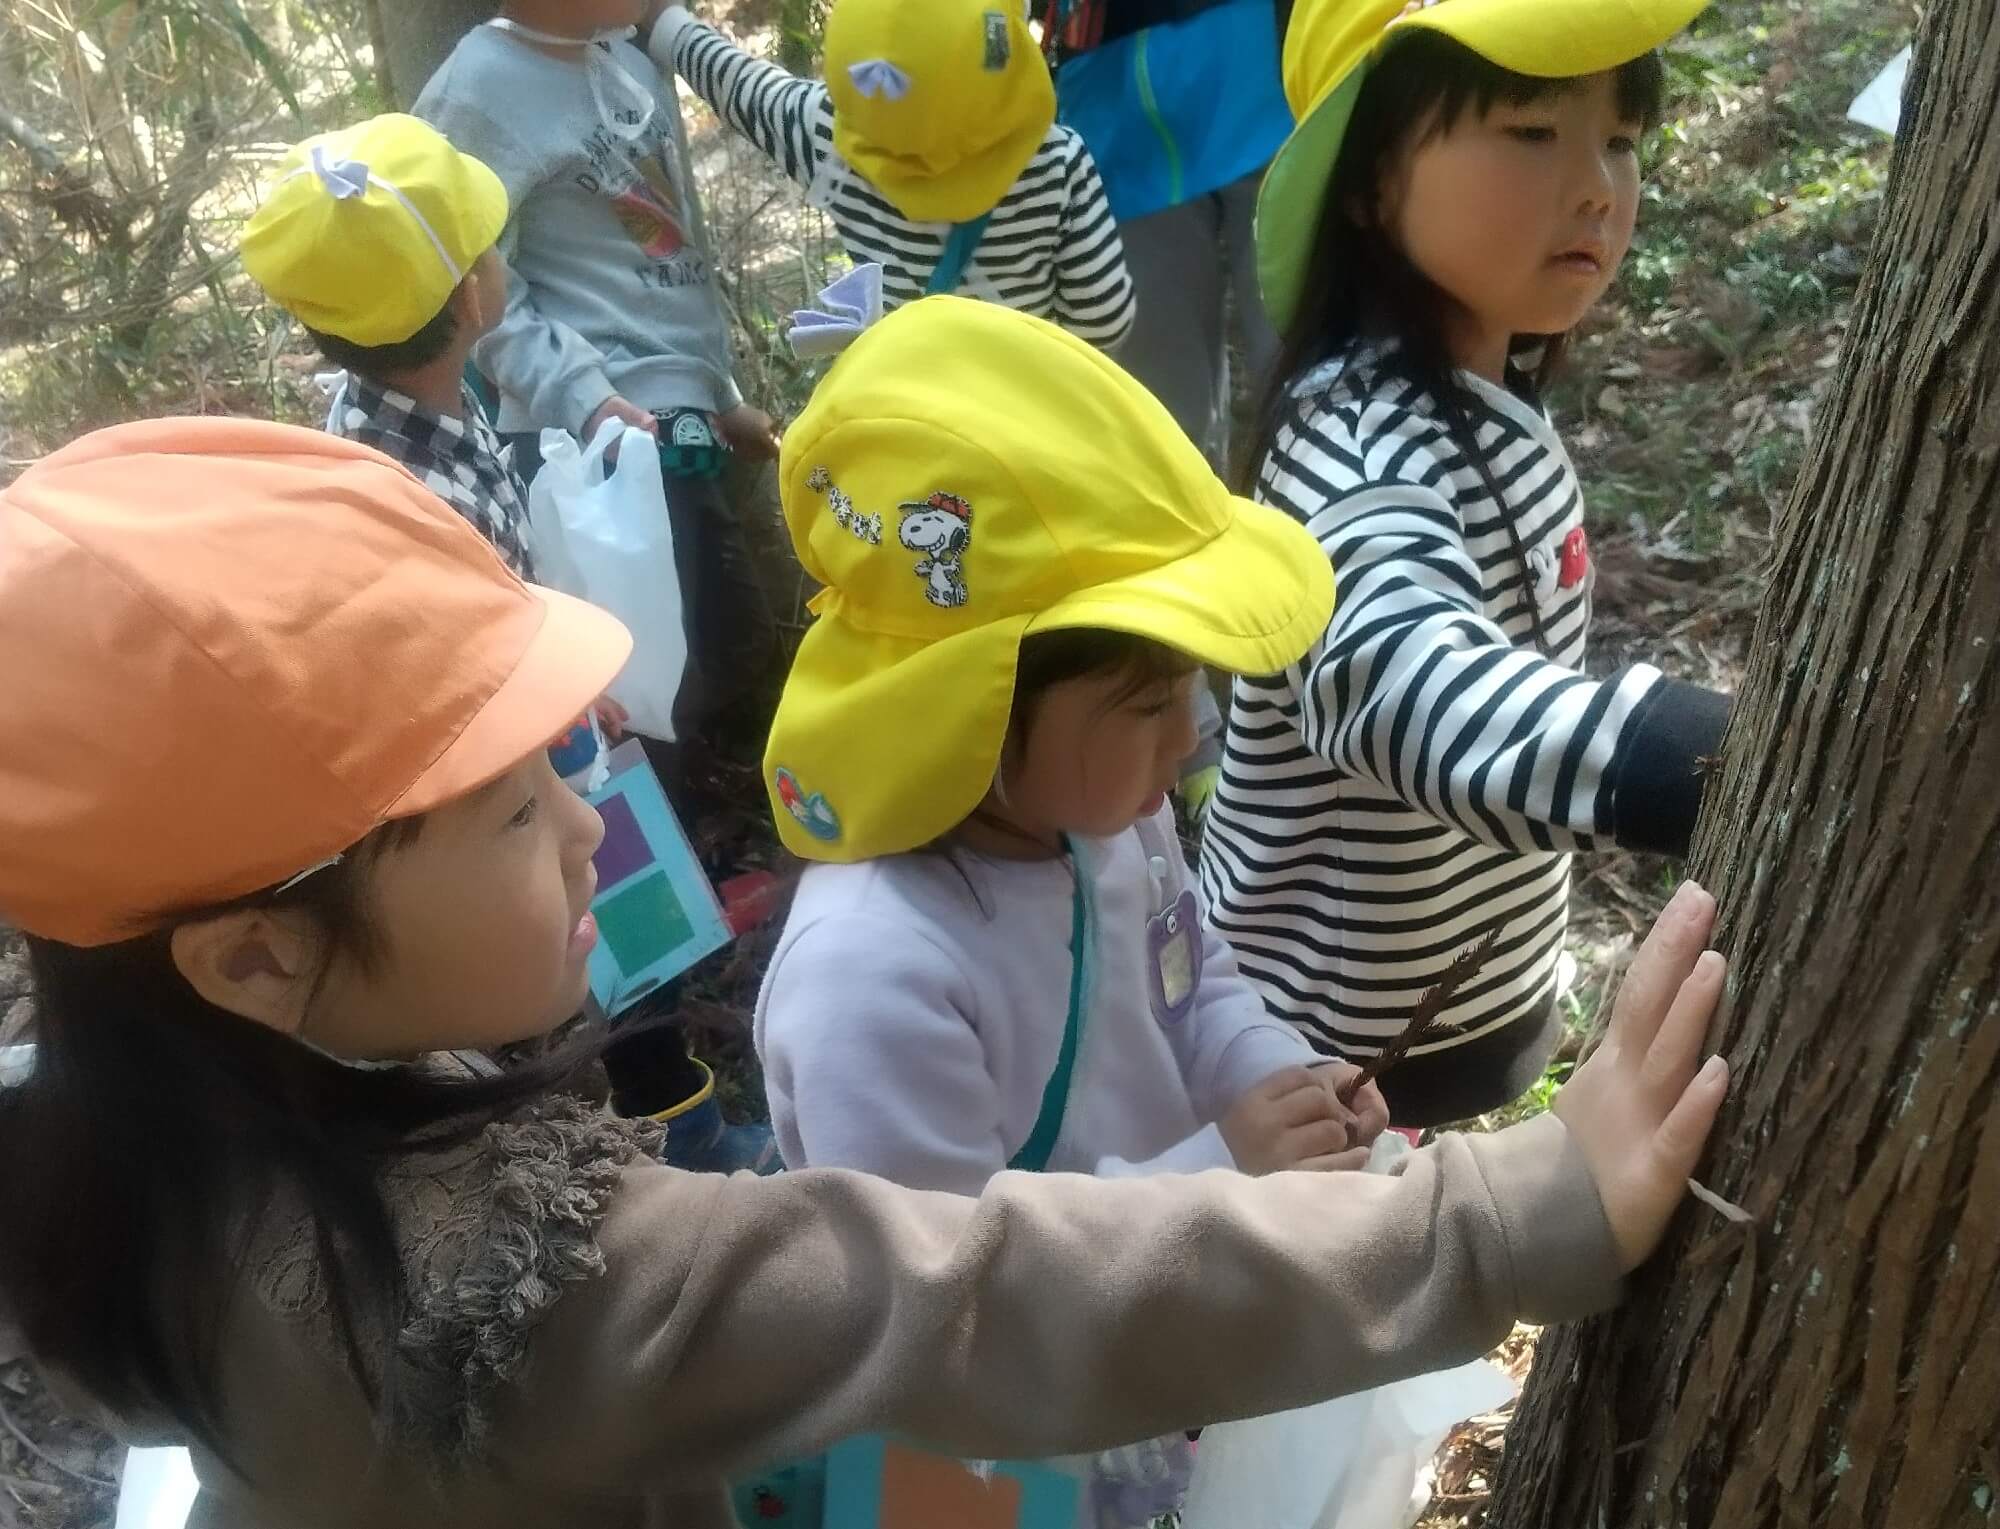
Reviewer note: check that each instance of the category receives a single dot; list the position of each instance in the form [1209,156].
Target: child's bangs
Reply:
[1138,663]
[1437,79]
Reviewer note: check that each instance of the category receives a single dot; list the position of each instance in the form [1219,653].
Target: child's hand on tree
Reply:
[1638,1109]
[1292,1120]
[750,432]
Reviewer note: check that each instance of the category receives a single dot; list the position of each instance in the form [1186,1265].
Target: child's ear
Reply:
[252,963]
[481,299]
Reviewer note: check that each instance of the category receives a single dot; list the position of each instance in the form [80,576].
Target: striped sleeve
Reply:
[1415,688]
[774,109]
[1094,297]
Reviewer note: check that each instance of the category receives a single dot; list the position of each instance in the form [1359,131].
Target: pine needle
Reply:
[1424,1022]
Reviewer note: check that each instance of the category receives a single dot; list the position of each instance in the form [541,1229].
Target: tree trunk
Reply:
[418,35]
[1838,1362]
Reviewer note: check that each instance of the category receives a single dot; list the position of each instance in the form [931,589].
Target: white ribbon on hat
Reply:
[596,63]
[346,179]
[846,308]
[875,77]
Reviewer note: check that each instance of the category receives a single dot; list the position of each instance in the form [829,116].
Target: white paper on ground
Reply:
[157,1489]
[1880,104]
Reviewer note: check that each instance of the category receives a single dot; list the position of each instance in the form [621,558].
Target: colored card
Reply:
[624,852]
[881,1483]
[656,912]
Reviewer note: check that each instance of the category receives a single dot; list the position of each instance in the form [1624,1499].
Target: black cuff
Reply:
[1656,776]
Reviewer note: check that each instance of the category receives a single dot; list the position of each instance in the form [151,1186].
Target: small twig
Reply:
[1462,969]
[50,1460]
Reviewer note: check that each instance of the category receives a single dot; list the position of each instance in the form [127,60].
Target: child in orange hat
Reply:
[380,239]
[251,1205]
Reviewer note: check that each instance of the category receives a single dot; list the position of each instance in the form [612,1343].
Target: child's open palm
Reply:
[1637,1109]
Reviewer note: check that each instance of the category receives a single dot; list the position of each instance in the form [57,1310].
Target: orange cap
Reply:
[232,649]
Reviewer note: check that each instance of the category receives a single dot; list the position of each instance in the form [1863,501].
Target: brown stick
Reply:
[1425,1020]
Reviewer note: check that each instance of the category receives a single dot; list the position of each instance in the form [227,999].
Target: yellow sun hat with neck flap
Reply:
[1330,45]
[967,476]
[939,103]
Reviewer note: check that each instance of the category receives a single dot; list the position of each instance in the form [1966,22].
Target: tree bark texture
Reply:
[1837,1362]
[420,33]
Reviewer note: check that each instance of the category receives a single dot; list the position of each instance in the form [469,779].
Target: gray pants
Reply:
[1192,266]
[1188,263]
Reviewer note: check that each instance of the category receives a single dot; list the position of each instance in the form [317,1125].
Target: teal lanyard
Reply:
[1041,1143]
[957,255]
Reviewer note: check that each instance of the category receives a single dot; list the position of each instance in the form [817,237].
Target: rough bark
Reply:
[419,33]
[1837,1363]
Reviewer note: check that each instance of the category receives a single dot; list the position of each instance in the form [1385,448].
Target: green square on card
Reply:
[643,923]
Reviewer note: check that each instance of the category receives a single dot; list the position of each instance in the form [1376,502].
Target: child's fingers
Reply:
[1284,1082]
[1306,1104]
[1681,1136]
[1351,1161]
[1371,1112]
[1320,1138]
[1662,965]
[1670,1060]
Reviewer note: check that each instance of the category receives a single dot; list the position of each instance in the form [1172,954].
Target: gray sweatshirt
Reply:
[613,290]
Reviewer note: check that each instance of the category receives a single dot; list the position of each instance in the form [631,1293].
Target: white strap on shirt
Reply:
[597,63]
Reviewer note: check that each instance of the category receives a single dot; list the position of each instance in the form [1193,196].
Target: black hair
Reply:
[1358,284]
[155,1129]
[1048,659]
[394,360]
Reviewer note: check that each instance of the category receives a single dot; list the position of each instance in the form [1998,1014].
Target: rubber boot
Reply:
[699,1140]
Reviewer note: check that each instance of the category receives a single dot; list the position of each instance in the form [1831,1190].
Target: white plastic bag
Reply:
[1356,1462]
[604,537]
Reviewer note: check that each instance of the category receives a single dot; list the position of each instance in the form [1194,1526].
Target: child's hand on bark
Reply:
[1638,1109]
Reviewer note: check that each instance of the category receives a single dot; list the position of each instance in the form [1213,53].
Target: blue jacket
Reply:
[1173,111]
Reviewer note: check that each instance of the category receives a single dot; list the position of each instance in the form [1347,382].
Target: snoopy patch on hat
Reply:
[939,527]
[867,528]
[809,810]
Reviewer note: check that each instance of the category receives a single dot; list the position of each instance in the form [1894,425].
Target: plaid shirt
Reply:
[461,461]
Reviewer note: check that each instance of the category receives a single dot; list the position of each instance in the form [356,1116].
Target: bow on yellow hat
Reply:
[1329,45]
[964,477]
[939,103]
[366,232]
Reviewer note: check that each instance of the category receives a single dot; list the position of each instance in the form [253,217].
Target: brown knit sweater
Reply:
[599,1342]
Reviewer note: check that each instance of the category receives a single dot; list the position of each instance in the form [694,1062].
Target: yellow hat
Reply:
[939,103]
[366,232]
[1329,45]
[965,476]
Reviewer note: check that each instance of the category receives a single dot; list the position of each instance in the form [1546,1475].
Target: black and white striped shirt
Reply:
[1051,249]
[1420,777]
